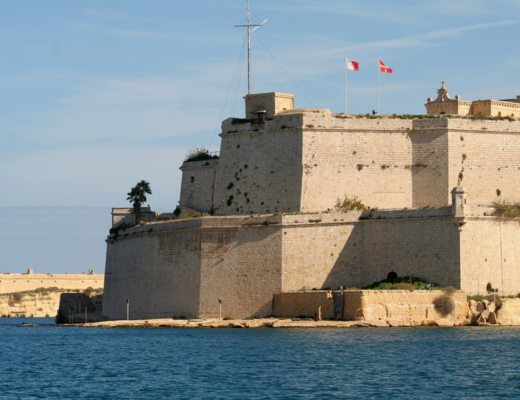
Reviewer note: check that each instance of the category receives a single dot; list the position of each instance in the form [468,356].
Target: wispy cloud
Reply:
[423,38]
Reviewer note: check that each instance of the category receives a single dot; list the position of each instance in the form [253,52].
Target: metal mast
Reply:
[249,31]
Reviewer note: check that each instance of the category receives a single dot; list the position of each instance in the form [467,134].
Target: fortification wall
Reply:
[12,283]
[370,304]
[241,267]
[183,269]
[486,153]
[259,172]
[490,253]
[374,166]
[158,273]
[356,254]
[197,185]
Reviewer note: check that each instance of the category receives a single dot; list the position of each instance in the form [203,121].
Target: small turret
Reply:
[459,201]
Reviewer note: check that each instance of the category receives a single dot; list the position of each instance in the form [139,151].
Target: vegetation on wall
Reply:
[197,154]
[350,204]
[503,209]
[403,283]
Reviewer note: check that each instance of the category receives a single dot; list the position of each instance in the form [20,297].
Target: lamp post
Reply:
[128,309]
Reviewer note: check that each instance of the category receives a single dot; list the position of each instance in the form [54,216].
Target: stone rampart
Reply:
[12,282]
[307,160]
[370,305]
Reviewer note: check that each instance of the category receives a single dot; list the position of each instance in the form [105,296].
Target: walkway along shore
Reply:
[272,323]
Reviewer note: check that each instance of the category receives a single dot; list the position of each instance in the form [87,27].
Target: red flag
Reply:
[353,65]
[384,68]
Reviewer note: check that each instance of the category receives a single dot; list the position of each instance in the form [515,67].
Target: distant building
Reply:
[444,104]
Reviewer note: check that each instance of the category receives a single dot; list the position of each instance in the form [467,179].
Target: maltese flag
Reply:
[353,65]
[384,68]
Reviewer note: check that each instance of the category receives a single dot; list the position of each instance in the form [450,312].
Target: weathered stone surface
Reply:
[444,322]
[492,319]
[509,311]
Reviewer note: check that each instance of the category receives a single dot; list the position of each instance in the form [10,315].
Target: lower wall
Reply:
[12,283]
[332,252]
[370,304]
[490,254]
[159,273]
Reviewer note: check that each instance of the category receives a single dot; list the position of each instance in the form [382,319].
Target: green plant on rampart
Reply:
[197,154]
[417,283]
[504,209]
[117,229]
[350,204]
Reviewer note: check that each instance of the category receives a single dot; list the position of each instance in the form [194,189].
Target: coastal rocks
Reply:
[444,322]
[509,312]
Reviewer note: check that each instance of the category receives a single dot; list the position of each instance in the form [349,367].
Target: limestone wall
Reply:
[490,253]
[374,166]
[259,172]
[12,283]
[241,267]
[197,185]
[183,268]
[370,304]
[487,155]
[158,273]
[332,253]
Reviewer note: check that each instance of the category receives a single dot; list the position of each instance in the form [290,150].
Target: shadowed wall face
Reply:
[241,267]
[158,273]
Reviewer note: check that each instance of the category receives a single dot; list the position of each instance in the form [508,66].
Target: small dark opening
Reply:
[392,276]
[192,179]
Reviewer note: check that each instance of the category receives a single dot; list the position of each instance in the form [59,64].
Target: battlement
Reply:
[323,119]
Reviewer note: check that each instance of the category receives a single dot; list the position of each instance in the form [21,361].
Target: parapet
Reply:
[271,103]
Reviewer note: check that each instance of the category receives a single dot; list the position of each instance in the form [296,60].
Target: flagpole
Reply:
[345,85]
[378,86]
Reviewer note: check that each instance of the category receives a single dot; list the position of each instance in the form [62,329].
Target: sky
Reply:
[97,95]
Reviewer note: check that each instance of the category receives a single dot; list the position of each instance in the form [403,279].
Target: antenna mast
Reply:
[249,31]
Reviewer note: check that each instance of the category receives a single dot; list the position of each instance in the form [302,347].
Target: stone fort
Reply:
[428,182]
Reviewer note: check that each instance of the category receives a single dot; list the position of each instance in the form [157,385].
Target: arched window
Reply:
[442,113]
[499,114]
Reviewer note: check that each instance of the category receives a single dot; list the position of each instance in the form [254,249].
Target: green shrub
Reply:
[228,319]
[403,286]
[350,204]
[197,154]
[177,212]
[489,287]
[17,296]
[503,209]
[444,304]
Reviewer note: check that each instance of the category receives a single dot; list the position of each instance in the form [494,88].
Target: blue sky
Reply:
[97,95]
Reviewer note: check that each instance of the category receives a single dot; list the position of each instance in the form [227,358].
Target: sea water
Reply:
[321,363]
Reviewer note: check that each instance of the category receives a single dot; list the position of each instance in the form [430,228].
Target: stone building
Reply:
[428,184]
[444,104]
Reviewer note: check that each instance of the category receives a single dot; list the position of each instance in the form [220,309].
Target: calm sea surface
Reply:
[399,363]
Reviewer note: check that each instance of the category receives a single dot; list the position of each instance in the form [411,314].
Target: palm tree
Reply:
[137,196]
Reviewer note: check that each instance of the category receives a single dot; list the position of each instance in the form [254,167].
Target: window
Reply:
[499,114]
[192,179]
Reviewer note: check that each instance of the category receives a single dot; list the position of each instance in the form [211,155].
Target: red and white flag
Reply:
[384,68]
[353,65]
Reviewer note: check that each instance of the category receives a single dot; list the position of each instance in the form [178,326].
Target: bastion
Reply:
[275,225]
